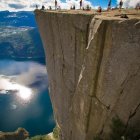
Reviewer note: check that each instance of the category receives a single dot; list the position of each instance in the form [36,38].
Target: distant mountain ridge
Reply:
[19,36]
[17,19]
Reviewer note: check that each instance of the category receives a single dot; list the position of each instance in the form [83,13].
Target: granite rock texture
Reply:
[20,134]
[93,65]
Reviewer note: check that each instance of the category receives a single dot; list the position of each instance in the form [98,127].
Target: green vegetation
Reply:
[39,137]
[53,136]
[97,138]
[119,131]
[56,132]
[20,42]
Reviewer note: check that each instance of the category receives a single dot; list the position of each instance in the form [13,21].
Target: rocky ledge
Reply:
[93,64]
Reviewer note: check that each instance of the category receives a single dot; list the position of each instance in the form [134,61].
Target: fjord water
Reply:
[24,99]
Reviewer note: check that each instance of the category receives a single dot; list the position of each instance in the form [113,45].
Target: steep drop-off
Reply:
[93,65]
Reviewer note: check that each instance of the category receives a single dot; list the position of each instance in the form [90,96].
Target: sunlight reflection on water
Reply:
[24,97]
[23,92]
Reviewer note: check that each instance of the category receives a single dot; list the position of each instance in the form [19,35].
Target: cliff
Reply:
[19,134]
[93,64]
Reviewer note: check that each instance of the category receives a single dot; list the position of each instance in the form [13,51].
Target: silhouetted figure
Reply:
[73,7]
[50,8]
[88,8]
[109,5]
[43,7]
[36,6]
[55,4]
[81,3]
[99,9]
[121,4]
[59,8]
[124,16]
[137,6]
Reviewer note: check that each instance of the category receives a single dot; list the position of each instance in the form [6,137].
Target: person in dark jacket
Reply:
[121,4]
[109,5]
[81,3]
[43,7]
[55,4]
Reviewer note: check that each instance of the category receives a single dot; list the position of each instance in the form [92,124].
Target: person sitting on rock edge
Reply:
[88,8]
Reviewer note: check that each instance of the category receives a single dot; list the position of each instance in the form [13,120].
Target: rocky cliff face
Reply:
[93,65]
[19,134]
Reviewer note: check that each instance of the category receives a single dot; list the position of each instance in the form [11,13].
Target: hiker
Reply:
[43,7]
[99,9]
[88,8]
[121,4]
[36,6]
[50,8]
[55,4]
[58,8]
[109,5]
[124,16]
[80,4]
[137,6]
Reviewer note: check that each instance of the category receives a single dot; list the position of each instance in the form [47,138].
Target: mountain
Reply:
[17,19]
[93,63]
[19,36]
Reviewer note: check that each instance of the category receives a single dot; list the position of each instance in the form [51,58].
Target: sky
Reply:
[29,5]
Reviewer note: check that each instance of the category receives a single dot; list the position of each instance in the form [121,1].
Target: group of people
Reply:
[81,7]
[50,8]
[138,6]
[88,7]
[120,5]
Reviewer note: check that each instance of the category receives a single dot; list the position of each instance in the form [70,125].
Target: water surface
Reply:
[24,99]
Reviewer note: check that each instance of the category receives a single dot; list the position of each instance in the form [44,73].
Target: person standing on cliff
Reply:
[55,4]
[43,7]
[120,4]
[109,5]
[81,4]
[137,6]
[99,9]
[36,6]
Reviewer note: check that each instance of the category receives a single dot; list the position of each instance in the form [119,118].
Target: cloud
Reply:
[32,75]
[29,5]
[17,6]
[130,3]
